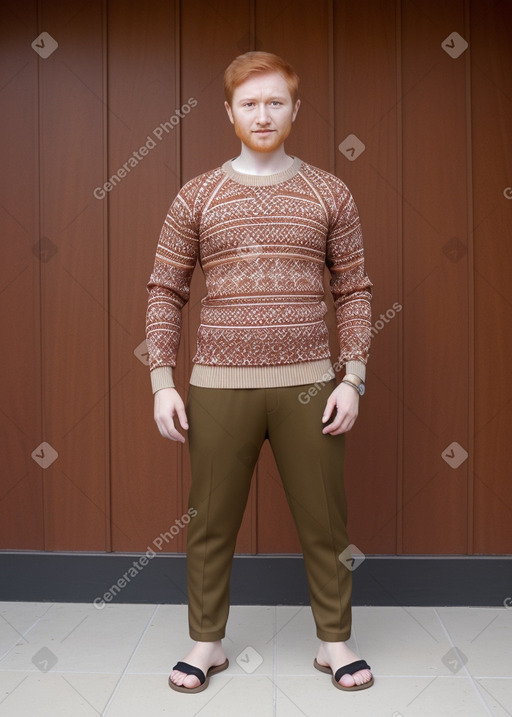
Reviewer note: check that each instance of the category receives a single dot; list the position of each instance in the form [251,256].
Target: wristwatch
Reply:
[360,387]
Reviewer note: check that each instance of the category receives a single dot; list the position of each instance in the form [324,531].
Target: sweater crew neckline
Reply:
[261,180]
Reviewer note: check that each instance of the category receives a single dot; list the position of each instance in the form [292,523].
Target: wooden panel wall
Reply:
[433,187]
[491,109]
[60,386]
[21,491]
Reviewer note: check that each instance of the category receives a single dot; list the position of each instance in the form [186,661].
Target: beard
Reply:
[266,143]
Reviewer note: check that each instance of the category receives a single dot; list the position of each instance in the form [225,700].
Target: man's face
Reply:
[262,111]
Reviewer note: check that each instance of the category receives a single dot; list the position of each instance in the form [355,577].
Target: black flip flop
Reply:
[191,670]
[349,669]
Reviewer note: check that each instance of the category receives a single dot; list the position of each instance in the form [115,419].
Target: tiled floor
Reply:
[74,660]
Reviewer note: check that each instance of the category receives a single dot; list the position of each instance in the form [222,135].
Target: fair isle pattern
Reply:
[262,243]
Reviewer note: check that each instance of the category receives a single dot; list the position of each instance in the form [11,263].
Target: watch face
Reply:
[361,389]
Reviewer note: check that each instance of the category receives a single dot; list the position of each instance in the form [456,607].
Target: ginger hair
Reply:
[258,62]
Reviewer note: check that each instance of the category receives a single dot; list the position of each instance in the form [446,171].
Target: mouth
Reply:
[263,131]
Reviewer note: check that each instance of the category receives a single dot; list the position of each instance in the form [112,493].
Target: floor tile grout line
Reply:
[123,674]
[274,667]
[356,641]
[302,675]
[468,674]
[22,635]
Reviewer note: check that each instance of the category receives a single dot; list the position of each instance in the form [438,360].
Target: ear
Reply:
[295,110]
[230,113]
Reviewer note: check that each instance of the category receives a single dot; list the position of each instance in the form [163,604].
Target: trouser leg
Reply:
[311,467]
[226,430]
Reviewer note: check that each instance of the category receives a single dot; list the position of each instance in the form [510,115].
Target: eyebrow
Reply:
[271,99]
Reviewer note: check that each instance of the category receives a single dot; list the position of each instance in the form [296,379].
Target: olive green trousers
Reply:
[227,428]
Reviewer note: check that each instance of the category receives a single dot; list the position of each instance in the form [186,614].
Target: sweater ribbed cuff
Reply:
[357,368]
[161,377]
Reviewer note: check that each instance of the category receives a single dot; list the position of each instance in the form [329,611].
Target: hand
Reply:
[168,404]
[345,399]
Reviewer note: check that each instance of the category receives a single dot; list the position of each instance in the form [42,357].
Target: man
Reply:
[263,226]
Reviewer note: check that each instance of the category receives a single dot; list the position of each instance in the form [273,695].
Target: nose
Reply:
[262,117]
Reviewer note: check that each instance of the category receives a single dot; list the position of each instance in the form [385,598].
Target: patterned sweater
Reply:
[262,243]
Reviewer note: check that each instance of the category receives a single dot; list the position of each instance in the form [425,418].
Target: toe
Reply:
[191,681]
[347,680]
[183,680]
[177,677]
[358,678]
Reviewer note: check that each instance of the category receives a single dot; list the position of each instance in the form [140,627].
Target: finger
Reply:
[332,427]
[336,423]
[328,410]
[168,430]
[173,433]
[342,423]
[346,425]
[182,417]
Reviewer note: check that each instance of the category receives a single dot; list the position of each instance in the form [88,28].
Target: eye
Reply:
[275,103]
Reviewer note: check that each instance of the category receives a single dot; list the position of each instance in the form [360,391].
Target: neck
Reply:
[262,163]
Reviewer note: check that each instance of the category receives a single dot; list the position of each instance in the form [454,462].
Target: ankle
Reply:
[205,644]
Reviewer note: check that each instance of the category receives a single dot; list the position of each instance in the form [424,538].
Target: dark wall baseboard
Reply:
[255,579]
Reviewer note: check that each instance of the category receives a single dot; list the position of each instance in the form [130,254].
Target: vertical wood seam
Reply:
[401,283]
[470,288]
[106,288]
[252,25]
[39,227]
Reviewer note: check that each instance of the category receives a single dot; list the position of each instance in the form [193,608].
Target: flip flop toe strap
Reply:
[190,670]
[351,668]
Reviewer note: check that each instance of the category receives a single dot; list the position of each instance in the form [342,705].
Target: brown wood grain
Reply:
[491,60]
[22,479]
[74,313]
[435,285]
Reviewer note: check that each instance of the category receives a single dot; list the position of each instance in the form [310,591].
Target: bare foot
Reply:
[336,655]
[203,655]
